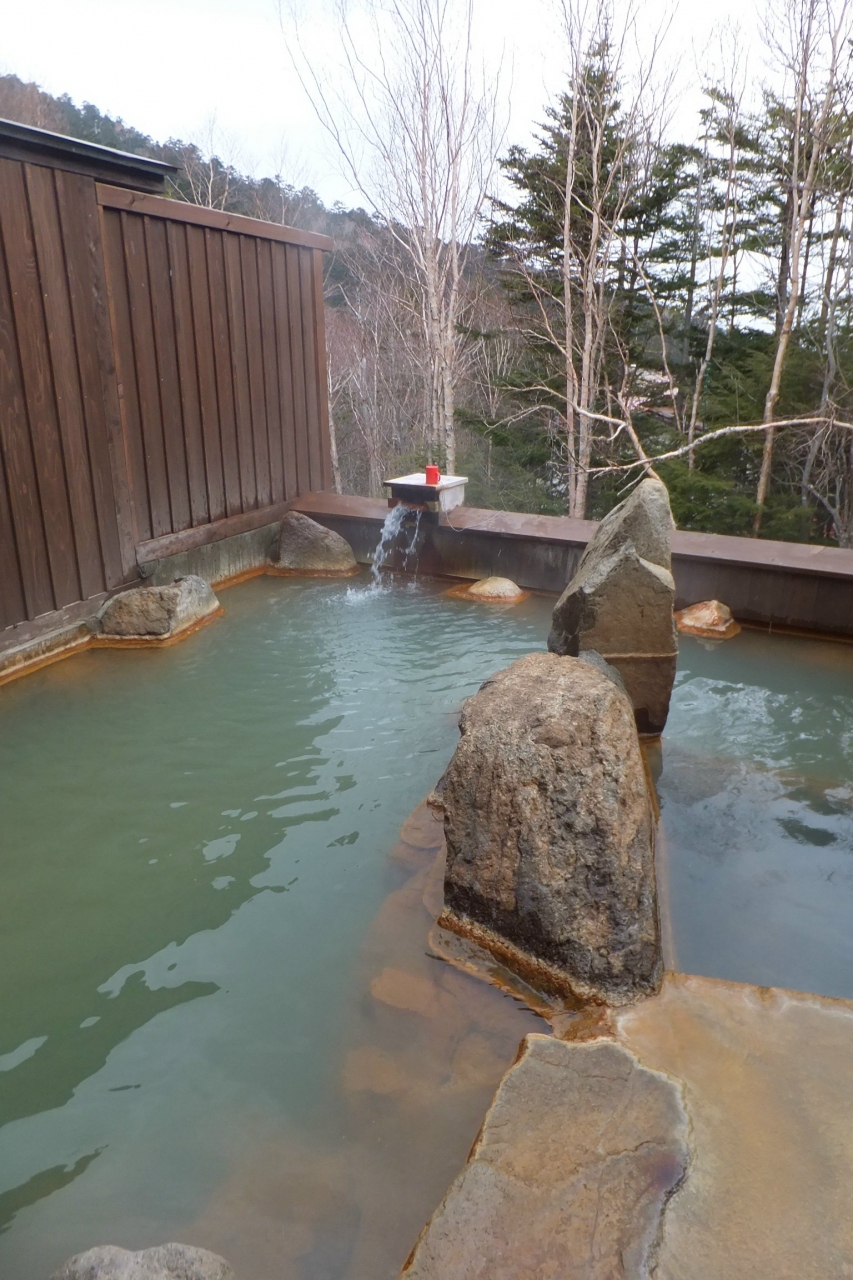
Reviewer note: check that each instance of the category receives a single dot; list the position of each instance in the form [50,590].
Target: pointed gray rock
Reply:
[644,518]
[620,602]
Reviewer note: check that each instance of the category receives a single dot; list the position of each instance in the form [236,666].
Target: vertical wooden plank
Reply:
[312,389]
[13,606]
[125,358]
[63,359]
[176,239]
[208,400]
[147,380]
[165,350]
[270,356]
[257,391]
[240,368]
[214,241]
[297,369]
[24,506]
[285,370]
[327,480]
[37,379]
[82,235]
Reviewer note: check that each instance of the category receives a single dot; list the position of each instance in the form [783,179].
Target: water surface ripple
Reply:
[199,902]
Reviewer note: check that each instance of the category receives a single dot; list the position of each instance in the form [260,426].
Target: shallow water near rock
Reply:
[757,810]
[218,1020]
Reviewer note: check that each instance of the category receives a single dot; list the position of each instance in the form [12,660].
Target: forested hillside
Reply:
[618,298]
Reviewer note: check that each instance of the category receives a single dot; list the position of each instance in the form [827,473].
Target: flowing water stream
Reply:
[218,1021]
[390,538]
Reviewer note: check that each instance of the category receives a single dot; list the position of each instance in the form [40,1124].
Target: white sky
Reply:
[169,67]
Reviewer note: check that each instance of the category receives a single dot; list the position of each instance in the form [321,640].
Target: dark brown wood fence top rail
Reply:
[177,211]
[58,151]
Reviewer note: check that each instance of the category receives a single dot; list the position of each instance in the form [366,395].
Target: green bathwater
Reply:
[195,847]
[218,1021]
[756,796]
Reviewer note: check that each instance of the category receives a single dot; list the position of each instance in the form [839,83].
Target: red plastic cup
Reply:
[432,475]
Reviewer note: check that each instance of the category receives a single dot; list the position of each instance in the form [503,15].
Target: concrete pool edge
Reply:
[770,584]
[788,586]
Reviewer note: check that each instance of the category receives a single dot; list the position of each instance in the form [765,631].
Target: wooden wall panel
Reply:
[162,368]
[285,370]
[205,363]
[61,507]
[82,238]
[226,351]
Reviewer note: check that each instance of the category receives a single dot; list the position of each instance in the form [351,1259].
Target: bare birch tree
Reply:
[417,133]
[812,40]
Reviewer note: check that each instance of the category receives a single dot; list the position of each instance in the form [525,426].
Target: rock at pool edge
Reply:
[305,546]
[158,612]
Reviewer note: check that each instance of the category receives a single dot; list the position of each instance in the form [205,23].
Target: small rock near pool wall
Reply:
[495,589]
[158,612]
[550,844]
[578,1155]
[164,1262]
[710,618]
[620,603]
[308,547]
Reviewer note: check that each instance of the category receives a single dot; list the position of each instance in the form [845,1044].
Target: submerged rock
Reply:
[158,611]
[710,618]
[495,589]
[308,547]
[164,1262]
[550,853]
[577,1157]
[620,603]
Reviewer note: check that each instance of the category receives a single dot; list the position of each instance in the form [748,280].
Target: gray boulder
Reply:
[644,518]
[165,1262]
[308,547]
[550,844]
[620,602]
[158,611]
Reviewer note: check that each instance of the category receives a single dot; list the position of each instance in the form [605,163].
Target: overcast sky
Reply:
[169,67]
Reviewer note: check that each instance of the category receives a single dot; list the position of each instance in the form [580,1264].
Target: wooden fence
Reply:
[162,380]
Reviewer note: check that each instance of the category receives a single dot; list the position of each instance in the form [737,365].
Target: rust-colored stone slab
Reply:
[409,991]
[568,1180]
[767,1085]
[424,828]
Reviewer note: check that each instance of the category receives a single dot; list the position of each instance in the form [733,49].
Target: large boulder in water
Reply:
[158,612]
[550,837]
[620,602]
[165,1262]
[306,547]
